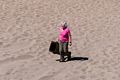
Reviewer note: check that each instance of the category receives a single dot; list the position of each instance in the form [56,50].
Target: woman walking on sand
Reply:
[64,39]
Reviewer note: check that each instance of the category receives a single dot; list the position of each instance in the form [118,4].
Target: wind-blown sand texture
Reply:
[28,26]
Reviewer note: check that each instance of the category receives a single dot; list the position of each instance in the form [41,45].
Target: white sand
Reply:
[28,26]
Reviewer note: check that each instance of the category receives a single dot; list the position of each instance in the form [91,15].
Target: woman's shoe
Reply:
[62,60]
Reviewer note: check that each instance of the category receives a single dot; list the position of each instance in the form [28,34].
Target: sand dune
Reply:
[28,26]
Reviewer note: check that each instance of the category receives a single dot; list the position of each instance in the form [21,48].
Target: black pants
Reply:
[63,49]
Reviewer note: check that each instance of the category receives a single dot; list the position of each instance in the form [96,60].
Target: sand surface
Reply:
[28,26]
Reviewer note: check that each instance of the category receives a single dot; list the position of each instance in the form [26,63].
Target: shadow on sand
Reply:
[78,58]
[75,59]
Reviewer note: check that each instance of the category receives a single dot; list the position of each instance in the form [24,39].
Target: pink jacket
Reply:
[64,34]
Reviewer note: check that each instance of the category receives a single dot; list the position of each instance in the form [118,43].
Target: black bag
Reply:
[54,47]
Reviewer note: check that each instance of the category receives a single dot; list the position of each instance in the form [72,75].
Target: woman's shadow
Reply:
[75,59]
[78,59]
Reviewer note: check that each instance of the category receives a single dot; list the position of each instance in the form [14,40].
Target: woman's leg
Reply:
[68,54]
[61,51]
[65,47]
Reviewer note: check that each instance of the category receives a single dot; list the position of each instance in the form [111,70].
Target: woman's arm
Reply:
[70,38]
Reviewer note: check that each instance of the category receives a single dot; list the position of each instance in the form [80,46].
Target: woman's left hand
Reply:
[70,43]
